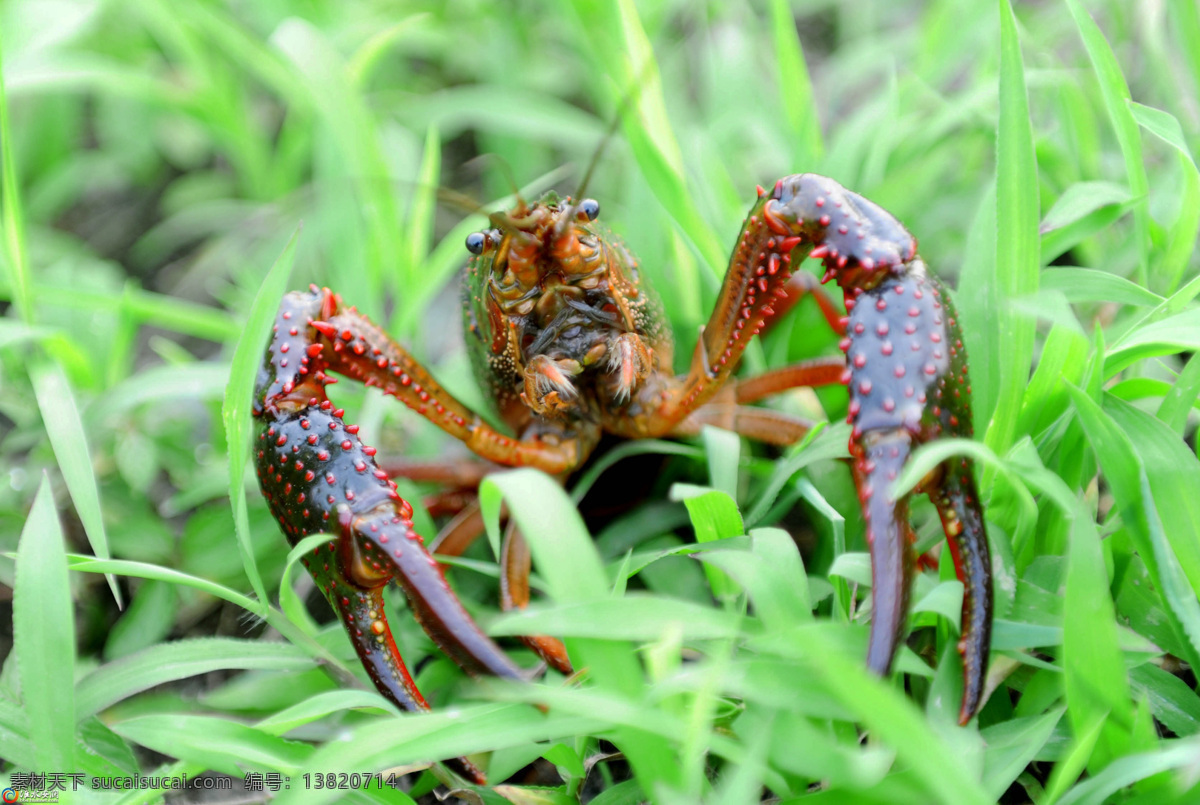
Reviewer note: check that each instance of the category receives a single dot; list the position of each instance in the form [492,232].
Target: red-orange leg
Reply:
[359,349]
[515,565]
[796,214]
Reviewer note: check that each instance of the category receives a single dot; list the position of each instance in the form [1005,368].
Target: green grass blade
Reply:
[1128,770]
[634,617]
[723,449]
[1173,703]
[1080,200]
[15,247]
[1182,396]
[896,721]
[418,229]
[1070,766]
[1178,333]
[216,743]
[1017,244]
[1181,237]
[1091,285]
[1094,673]
[128,676]
[1116,94]
[318,706]
[1173,474]
[235,411]
[981,310]
[714,515]
[772,574]
[422,737]
[1012,745]
[796,98]
[566,557]
[43,634]
[1126,475]
[67,436]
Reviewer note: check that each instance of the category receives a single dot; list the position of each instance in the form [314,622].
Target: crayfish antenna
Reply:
[626,101]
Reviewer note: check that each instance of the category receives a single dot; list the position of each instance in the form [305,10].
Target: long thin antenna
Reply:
[626,101]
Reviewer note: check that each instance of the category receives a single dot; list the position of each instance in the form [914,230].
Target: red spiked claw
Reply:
[909,385]
[318,476]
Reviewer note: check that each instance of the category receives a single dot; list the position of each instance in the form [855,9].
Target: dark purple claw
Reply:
[907,373]
[958,504]
[889,538]
[318,476]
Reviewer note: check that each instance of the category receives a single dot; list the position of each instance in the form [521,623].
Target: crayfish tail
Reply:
[957,502]
[889,537]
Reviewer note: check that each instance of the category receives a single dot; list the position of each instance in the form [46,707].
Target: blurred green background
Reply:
[158,156]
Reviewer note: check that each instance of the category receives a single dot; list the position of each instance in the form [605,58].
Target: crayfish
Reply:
[572,344]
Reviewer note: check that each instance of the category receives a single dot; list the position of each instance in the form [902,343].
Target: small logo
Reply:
[10,795]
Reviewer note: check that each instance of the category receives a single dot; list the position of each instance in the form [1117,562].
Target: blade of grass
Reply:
[235,410]
[1096,685]
[1017,243]
[1072,765]
[1129,770]
[15,247]
[274,618]
[981,310]
[1182,397]
[65,429]
[418,229]
[217,743]
[1181,237]
[43,634]
[714,516]
[1178,333]
[566,558]
[1126,476]
[1173,474]
[166,662]
[1116,95]
[795,87]
[442,733]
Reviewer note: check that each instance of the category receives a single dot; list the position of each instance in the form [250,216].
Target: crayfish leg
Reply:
[515,564]
[957,502]
[889,536]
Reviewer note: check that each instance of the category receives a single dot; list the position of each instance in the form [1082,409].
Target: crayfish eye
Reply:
[589,208]
[476,241]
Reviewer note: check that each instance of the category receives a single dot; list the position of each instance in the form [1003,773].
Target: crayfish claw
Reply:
[889,538]
[962,519]
[907,372]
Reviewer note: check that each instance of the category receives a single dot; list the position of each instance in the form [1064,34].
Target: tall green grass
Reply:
[158,156]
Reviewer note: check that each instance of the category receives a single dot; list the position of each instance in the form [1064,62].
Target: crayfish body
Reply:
[571,344]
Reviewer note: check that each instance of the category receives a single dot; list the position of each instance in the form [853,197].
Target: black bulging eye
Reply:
[476,241]
[589,208]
